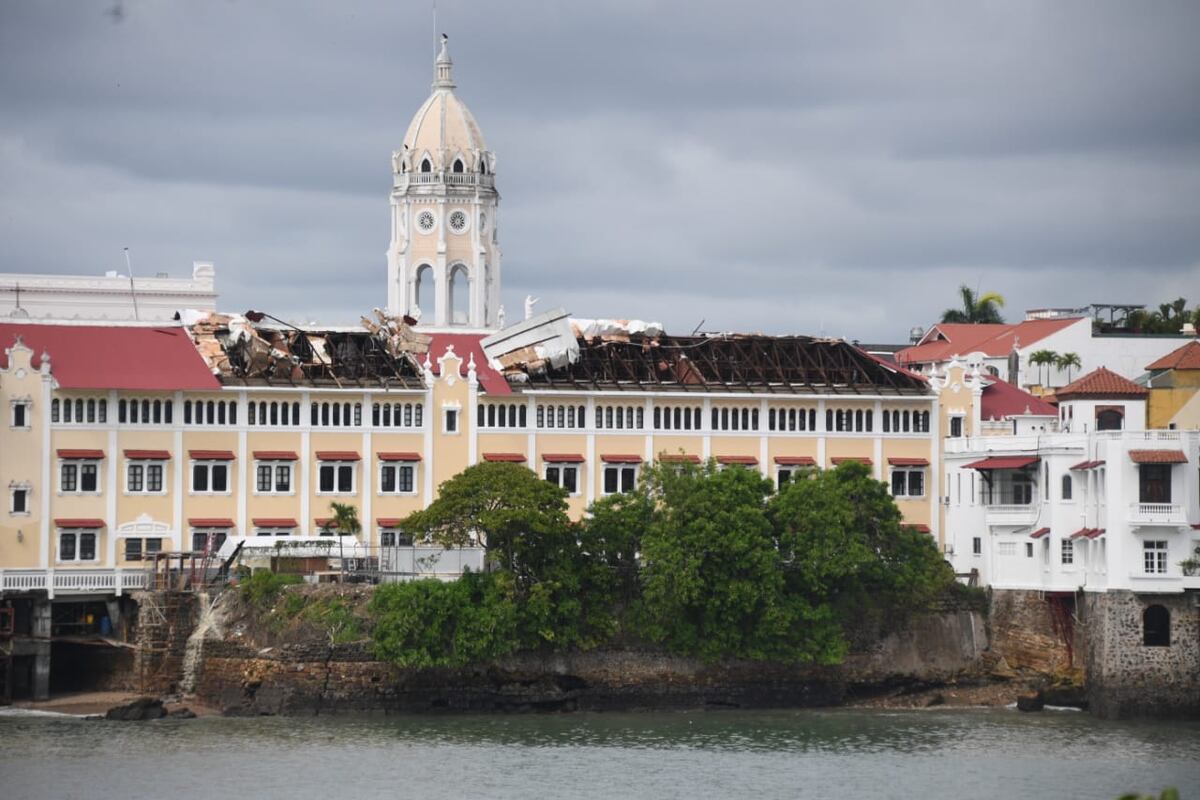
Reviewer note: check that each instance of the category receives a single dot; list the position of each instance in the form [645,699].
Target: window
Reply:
[144,477]
[392,537]
[956,427]
[337,415]
[208,540]
[726,418]
[20,414]
[78,411]
[77,546]
[19,501]
[404,415]
[270,413]
[1154,483]
[1154,556]
[1068,551]
[426,166]
[274,531]
[1006,548]
[273,477]
[908,483]
[210,477]
[79,477]
[620,417]
[1156,627]
[559,416]
[1109,419]
[565,476]
[620,478]
[423,288]
[1066,487]
[783,475]
[335,477]
[794,419]
[133,549]
[677,418]
[977,546]
[1029,549]
[450,424]
[398,477]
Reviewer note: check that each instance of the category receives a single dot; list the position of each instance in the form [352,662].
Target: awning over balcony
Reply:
[563,458]
[1087,533]
[399,456]
[748,461]
[1004,462]
[621,458]
[1039,533]
[908,462]
[1157,456]
[679,458]
[1082,465]
[78,523]
[795,461]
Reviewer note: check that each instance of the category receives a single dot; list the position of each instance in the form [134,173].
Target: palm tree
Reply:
[984,308]
[1068,361]
[1044,358]
[345,521]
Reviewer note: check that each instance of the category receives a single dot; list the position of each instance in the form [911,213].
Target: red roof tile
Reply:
[113,356]
[1039,533]
[678,458]
[909,462]
[274,522]
[276,455]
[399,456]
[795,461]
[842,459]
[1003,462]
[149,455]
[948,339]
[79,523]
[748,461]
[1157,456]
[465,345]
[68,453]
[918,527]
[211,455]
[562,458]
[511,458]
[618,458]
[1001,399]
[210,522]
[1186,357]
[338,455]
[1101,382]
[388,522]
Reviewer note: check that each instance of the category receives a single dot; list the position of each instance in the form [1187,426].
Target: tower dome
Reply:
[444,129]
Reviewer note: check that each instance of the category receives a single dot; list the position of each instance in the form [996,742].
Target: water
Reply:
[820,754]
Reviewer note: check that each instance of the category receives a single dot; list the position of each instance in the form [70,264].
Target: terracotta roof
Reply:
[1186,357]
[1157,456]
[1082,465]
[511,458]
[748,461]
[1101,382]
[338,455]
[210,522]
[149,455]
[79,523]
[918,527]
[909,462]
[388,522]
[795,461]
[274,522]
[1039,533]
[948,339]
[679,458]
[113,357]
[212,455]
[562,458]
[619,458]
[843,459]
[466,345]
[67,453]
[1003,462]
[399,456]
[1001,399]
[276,455]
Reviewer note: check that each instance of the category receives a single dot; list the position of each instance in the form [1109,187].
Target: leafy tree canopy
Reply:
[976,308]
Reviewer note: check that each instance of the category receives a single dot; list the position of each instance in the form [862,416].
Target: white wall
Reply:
[107,297]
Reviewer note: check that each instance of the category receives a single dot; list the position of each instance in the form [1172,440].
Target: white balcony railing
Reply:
[1010,513]
[449,178]
[72,581]
[1156,513]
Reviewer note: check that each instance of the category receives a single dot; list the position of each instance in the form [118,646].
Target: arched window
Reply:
[487,292]
[1066,487]
[483,165]
[460,300]
[423,293]
[458,165]
[1109,420]
[1156,627]
[426,166]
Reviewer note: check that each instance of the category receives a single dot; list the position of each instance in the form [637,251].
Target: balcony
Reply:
[1011,513]
[465,179]
[1156,514]
[72,581]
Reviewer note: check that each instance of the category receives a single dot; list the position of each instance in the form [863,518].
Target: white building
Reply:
[1095,503]
[108,297]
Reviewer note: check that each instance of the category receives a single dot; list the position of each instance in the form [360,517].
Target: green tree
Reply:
[611,537]
[1068,361]
[984,308]
[1044,359]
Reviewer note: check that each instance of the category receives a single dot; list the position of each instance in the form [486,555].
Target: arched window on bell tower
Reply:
[460,295]
[426,165]
[423,291]
[458,165]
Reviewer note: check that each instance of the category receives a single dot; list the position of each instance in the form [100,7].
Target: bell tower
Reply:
[444,256]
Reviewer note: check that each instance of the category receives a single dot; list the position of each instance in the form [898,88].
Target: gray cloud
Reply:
[801,167]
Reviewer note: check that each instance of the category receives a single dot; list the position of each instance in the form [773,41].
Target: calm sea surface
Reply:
[825,754]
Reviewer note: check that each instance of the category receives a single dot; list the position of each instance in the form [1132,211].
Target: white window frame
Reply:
[209,463]
[143,463]
[79,463]
[906,470]
[560,466]
[27,405]
[456,410]
[1006,549]
[1066,553]
[12,499]
[209,532]
[78,533]
[780,469]
[977,546]
[1160,551]
[275,464]
[416,483]
[335,465]
[260,531]
[637,477]
[396,534]
[962,425]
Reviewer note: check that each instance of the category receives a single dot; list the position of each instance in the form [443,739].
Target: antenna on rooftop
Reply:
[132,290]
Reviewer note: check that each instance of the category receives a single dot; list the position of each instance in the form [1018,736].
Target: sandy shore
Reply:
[89,703]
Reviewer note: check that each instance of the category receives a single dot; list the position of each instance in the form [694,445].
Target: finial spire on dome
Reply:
[443,67]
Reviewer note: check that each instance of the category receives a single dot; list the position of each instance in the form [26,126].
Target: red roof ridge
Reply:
[1101,382]
[1186,357]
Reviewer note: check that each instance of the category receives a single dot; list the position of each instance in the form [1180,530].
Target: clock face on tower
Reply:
[425,221]
[458,221]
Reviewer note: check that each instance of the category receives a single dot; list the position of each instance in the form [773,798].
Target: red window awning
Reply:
[1039,533]
[399,456]
[211,455]
[909,462]
[562,458]
[338,455]
[81,454]
[274,522]
[919,528]
[79,523]
[843,459]
[210,522]
[621,458]
[388,522]
[276,455]
[748,461]
[1158,456]
[795,461]
[1004,462]
[1082,465]
[679,458]
[1090,533]
[148,455]
[509,458]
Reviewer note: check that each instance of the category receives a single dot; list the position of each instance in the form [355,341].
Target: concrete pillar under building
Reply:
[41,658]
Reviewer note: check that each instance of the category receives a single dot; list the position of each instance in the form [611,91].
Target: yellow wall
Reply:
[1178,404]
[21,461]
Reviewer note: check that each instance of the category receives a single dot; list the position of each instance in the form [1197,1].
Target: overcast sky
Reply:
[836,167]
